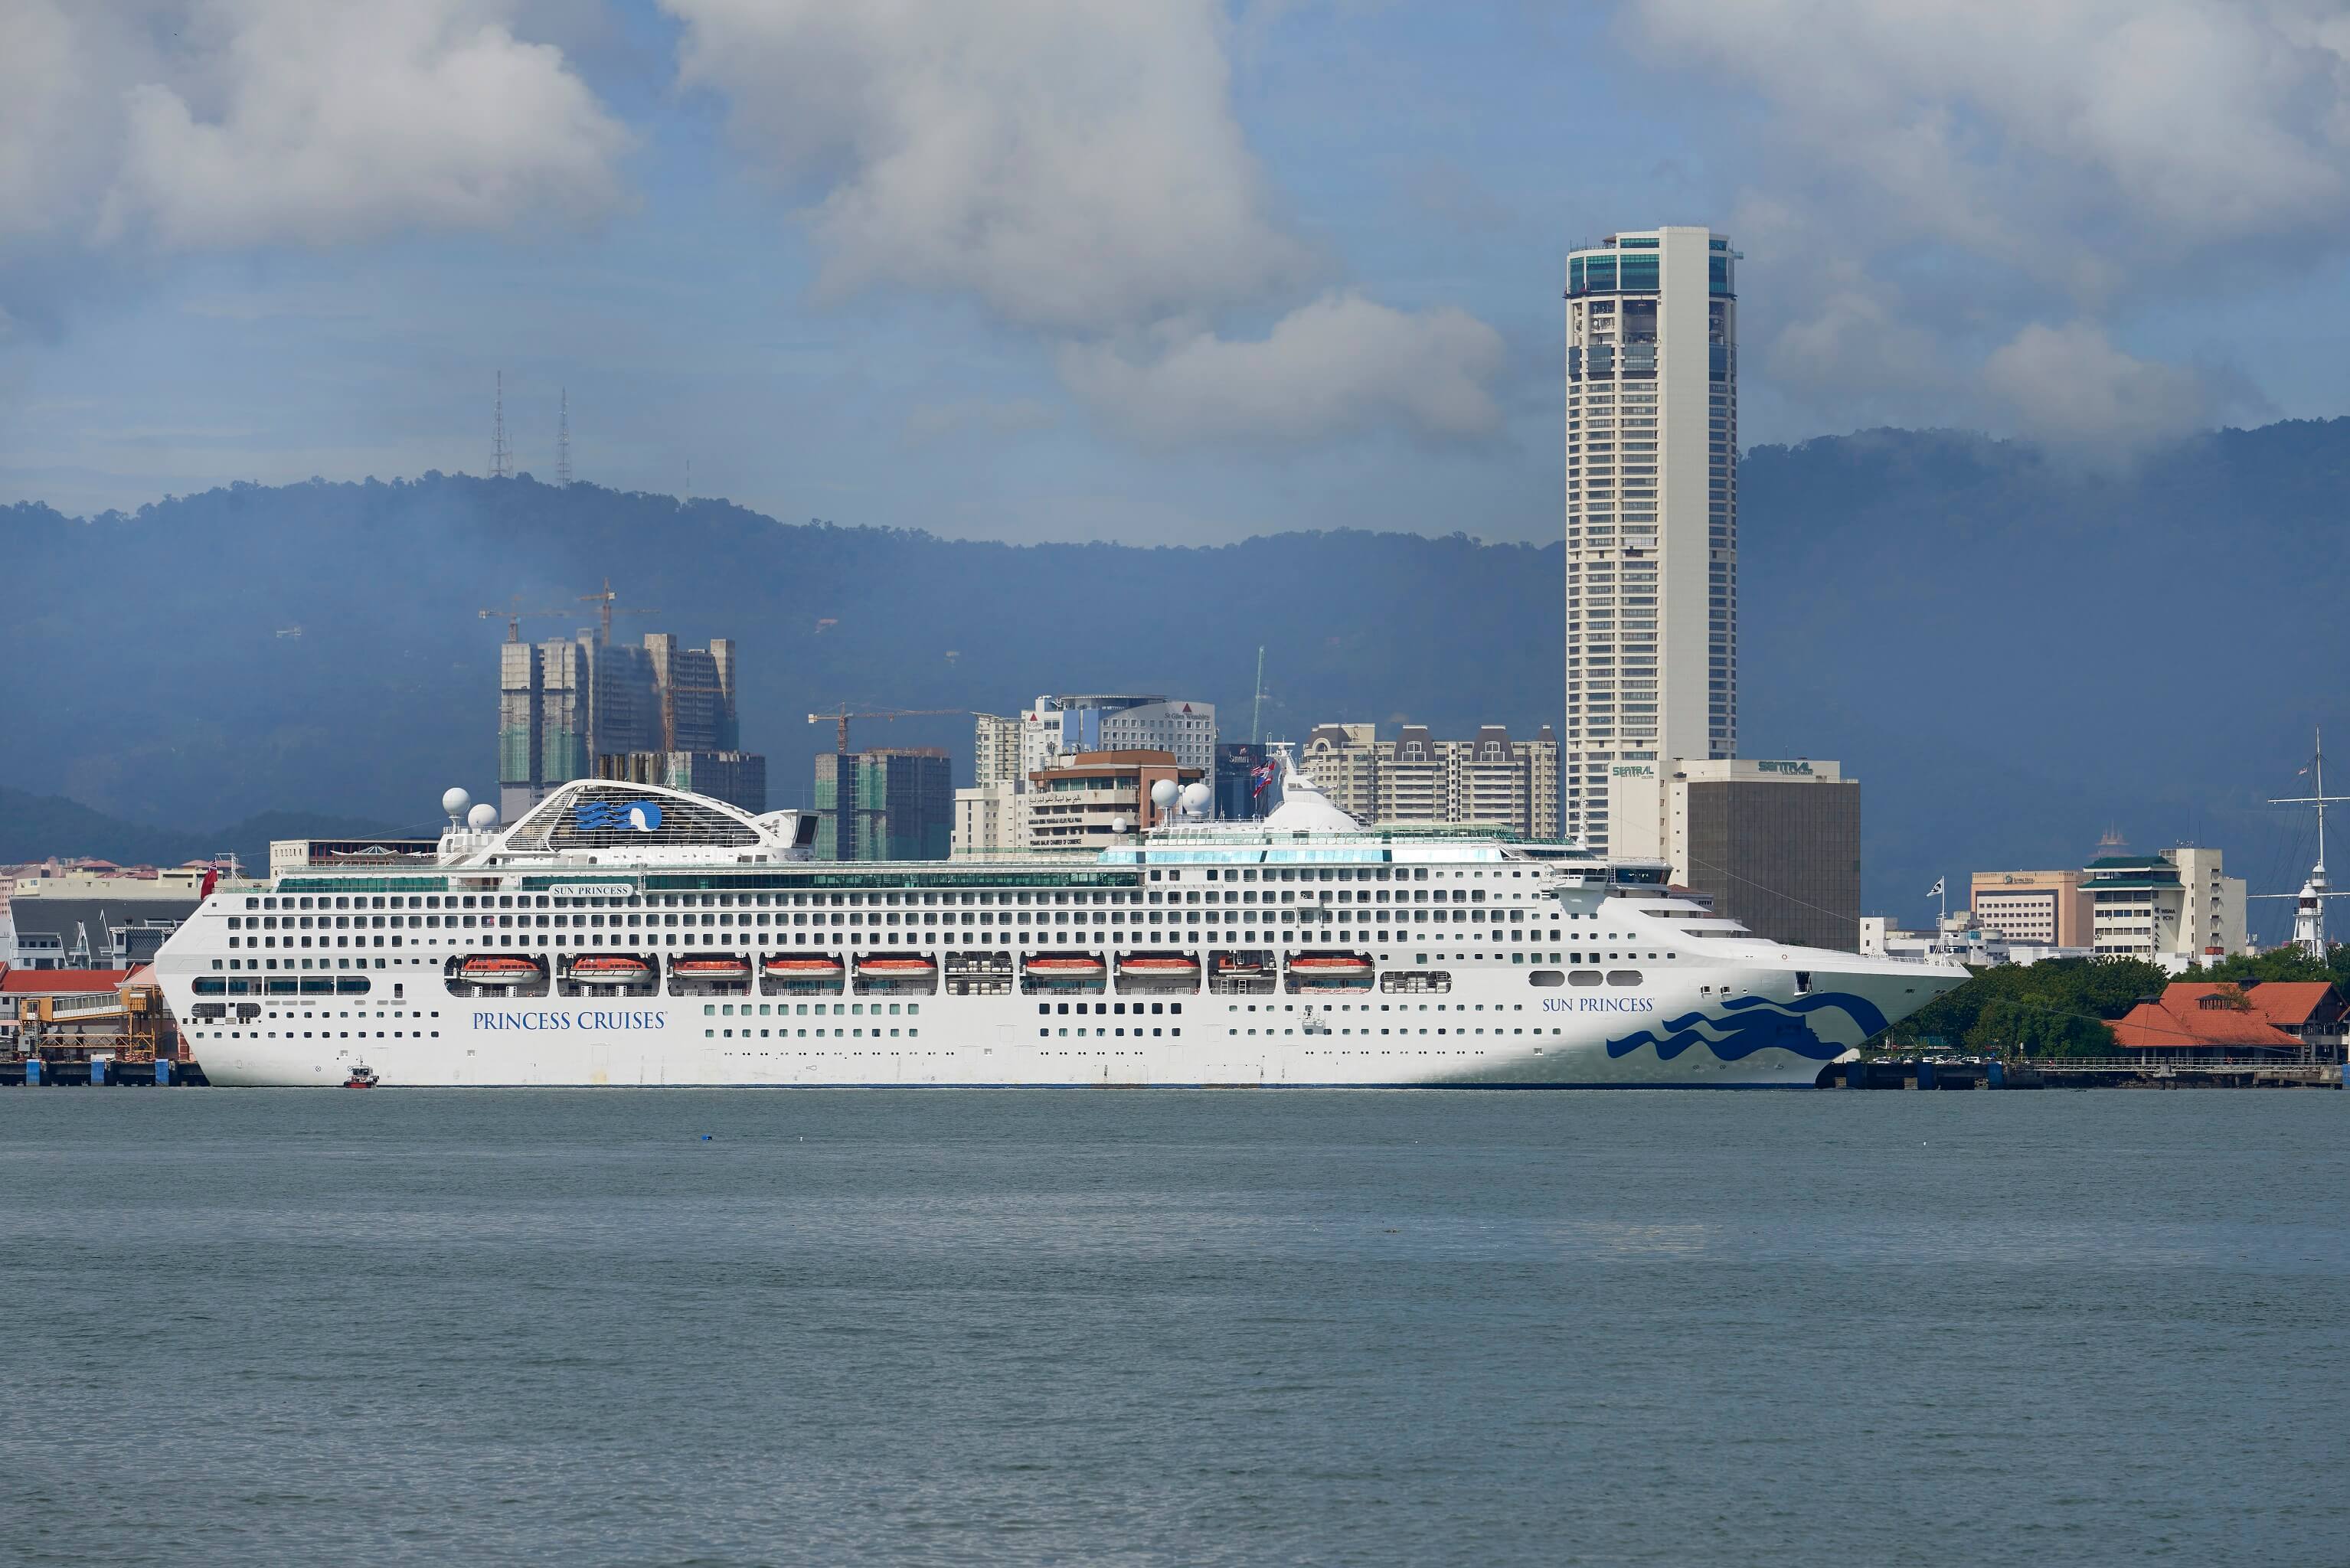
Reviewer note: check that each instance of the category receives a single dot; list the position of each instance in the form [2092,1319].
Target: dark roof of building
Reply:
[69,920]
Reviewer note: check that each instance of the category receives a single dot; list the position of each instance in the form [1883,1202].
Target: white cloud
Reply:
[234,123]
[2007,123]
[328,124]
[1077,169]
[1932,175]
[1340,365]
[1075,166]
[52,142]
[2069,385]
[1854,339]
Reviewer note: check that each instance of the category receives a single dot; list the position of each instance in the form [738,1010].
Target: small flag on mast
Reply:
[1936,890]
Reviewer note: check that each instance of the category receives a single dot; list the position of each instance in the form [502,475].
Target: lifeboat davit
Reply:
[497,970]
[610,968]
[722,965]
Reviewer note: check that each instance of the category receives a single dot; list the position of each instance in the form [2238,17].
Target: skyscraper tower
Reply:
[1651,510]
[563,441]
[501,455]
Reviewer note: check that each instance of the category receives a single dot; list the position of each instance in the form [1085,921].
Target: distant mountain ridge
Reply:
[2010,653]
[34,827]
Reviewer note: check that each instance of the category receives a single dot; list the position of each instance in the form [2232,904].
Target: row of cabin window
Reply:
[673,900]
[469,922]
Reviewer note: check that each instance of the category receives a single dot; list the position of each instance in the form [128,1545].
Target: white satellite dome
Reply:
[1165,793]
[453,802]
[482,817]
[1195,798]
[1120,825]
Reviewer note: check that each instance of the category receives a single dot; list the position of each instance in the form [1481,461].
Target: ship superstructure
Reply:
[622,934]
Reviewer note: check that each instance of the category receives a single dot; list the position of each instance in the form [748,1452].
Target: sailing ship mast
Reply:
[2309,904]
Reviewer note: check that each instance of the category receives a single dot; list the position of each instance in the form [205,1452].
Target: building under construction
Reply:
[738,778]
[565,703]
[892,803]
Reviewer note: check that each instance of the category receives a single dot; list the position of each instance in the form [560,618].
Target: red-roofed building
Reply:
[2200,1018]
[2314,1012]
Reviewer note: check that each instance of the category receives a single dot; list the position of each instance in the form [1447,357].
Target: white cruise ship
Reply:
[621,934]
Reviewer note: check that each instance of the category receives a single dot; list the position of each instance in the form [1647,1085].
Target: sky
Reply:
[1184,271]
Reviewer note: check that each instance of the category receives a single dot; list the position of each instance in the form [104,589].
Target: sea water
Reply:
[1161,1327]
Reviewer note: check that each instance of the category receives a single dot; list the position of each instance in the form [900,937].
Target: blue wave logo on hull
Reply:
[597,815]
[1756,1023]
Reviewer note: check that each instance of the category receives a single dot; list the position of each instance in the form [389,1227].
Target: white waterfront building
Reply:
[1651,509]
[1008,751]
[624,934]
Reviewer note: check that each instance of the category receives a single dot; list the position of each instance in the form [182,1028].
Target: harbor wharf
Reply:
[2083,1073]
[161,1071]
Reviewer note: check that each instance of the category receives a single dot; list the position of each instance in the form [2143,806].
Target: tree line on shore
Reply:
[2066,1007]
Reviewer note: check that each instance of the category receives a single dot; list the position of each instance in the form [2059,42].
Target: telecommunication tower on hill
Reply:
[563,441]
[501,455]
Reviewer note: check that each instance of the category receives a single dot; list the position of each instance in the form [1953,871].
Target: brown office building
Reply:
[1777,844]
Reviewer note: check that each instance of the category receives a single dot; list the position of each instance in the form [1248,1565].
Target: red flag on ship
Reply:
[212,880]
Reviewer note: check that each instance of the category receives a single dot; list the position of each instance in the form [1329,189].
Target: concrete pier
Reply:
[2081,1074]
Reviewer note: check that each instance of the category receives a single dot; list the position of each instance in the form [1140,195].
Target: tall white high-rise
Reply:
[1651,509]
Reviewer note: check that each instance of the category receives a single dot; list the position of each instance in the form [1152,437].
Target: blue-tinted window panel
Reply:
[1574,276]
[1718,274]
[1601,272]
[1637,245]
[1639,273]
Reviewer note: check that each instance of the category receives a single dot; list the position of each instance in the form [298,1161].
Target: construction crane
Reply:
[515,614]
[839,717]
[604,602]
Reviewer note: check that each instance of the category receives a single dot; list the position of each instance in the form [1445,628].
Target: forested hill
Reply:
[2010,654]
[34,827]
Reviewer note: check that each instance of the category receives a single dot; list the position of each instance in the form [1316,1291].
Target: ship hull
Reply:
[1479,1036]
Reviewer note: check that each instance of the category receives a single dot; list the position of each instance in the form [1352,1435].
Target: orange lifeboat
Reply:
[493,968]
[1178,964]
[1330,969]
[894,963]
[718,966]
[610,968]
[1080,966]
[798,966]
